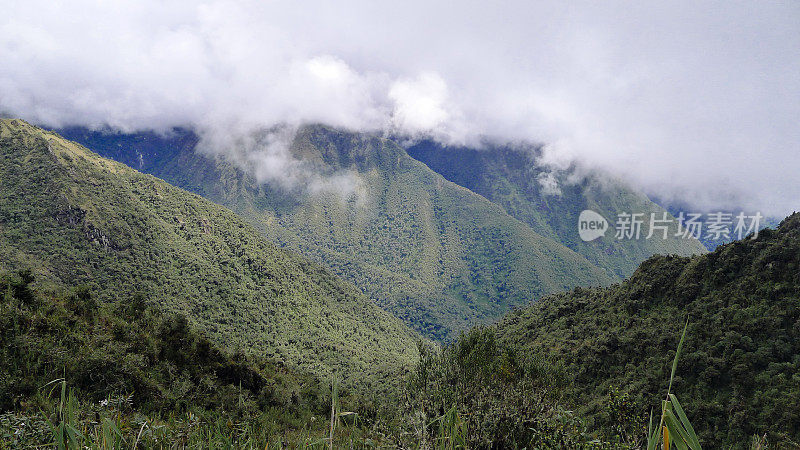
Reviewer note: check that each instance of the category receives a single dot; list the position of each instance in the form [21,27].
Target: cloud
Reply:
[419,104]
[697,101]
[266,154]
[549,183]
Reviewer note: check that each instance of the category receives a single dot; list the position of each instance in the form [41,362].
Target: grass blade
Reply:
[693,441]
[677,354]
[679,436]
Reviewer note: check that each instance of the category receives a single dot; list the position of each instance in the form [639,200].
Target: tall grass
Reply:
[63,422]
[452,431]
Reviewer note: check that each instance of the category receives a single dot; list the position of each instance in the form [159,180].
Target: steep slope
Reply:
[129,348]
[550,203]
[433,253]
[740,370]
[76,218]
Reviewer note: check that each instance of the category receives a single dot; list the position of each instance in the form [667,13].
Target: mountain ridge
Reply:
[550,201]
[74,217]
[453,257]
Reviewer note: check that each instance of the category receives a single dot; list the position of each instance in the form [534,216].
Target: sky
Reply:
[696,101]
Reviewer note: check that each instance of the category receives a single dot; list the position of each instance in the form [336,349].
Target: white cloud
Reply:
[695,100]
[419,104]
[549,183]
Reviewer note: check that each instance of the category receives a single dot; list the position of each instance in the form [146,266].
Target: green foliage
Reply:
[132,374]
[739,364]
[64,422]
[481,393]
[82,303]
[434,254]
[623,419]
[73,218]
[116,351]
[674,428]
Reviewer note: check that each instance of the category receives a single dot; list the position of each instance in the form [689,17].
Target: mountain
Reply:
[431,252]
[173,319]
[739,373]
[74,218]
[550,202]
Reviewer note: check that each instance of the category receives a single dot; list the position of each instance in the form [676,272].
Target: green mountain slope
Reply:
[130,348]
[431,252]
[76,218]
[739,373]
[508,177]
[130,369]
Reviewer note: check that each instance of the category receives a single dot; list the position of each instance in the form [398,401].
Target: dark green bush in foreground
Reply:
[130,358]
[486,394]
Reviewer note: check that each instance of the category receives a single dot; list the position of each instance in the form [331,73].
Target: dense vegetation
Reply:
[433,253]
[131,374]
[134,312]
[478,392]
[129,358]
[740,370]
[550,202]
[74,218]
[135,375]
[125,375]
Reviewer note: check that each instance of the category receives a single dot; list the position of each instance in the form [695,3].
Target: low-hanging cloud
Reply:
[265,153]
[695,101]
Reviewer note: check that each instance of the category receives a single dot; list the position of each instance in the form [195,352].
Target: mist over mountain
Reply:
[712,240]
[694,103]
[441,251]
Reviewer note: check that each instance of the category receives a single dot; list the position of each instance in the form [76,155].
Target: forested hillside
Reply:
[550,201]
[78,374]
[74,218]
[433,253]
[739,373]
[127,363]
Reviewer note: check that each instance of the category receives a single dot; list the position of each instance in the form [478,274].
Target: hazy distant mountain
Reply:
[712,240]
[550,203]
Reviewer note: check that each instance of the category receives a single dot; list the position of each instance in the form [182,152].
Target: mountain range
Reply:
[441,239]
[239,313]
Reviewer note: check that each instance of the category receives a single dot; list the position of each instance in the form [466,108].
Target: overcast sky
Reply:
[698,100]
